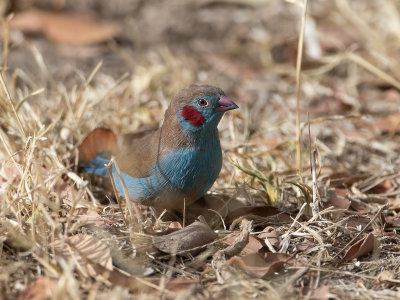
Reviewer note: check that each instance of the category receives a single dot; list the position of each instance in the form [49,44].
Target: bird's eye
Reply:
[202,102]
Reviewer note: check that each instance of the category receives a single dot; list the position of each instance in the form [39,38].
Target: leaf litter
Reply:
[261,235]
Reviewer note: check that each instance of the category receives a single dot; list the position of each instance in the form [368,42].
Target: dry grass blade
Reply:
[298,78]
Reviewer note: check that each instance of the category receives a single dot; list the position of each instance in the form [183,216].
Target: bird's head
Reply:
[200,106]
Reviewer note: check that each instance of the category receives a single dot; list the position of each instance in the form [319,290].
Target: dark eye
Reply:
[202,102]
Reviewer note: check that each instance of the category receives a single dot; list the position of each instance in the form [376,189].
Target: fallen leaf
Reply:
[195,235]
[356,135]
[393,220]
[253,246]
[384,278]
[260,211]
[360,207]
[143,285]
[8,172]
[63,28]
[321,293]
[356,222]
[175,225]
[337,199]
[333,38]
[258,265]
[303,246]
[341,179]
[214,208]
[384,187]
[360,248]
[40,289]
[389,123]
[271,235]
[87,250]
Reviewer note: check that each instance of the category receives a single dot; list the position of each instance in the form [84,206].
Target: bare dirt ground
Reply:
[267,230]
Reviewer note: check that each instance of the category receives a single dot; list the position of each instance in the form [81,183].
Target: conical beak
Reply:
[225,104]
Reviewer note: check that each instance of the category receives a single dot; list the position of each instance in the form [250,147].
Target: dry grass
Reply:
[352,81]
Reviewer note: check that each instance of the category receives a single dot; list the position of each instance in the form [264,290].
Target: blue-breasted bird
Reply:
[180,160]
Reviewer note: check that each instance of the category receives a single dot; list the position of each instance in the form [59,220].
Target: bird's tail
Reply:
[95,151]
[96,166]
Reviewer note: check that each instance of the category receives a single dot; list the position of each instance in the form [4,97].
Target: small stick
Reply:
[315,208]
[363,230]
[298,78]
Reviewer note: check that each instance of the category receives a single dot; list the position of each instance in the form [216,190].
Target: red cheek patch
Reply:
[192,115]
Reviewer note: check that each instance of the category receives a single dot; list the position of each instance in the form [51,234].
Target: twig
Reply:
[316,198]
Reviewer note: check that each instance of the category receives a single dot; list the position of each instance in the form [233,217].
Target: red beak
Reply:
[225,104]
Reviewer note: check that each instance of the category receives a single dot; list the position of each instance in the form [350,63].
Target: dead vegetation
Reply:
[267,229]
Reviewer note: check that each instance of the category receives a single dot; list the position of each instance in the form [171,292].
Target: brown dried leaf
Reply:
[389,123]
[261,211]
[360,248]
[144,285]
[8,173]
[63,28]
[259,266]
[393,220]
[87,250]
[384,187]
[303,246]
[40,289]
[337,198]
[195,235]
[270,234]
[175,225]
[341,179]
[384,279]
[357,222]
[321,293]
[212,208]
[253,246]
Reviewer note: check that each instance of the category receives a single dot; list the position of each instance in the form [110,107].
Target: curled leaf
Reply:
[253,245]
[87,250]
[40,289]
[360,248]
[195,235]
[259,266]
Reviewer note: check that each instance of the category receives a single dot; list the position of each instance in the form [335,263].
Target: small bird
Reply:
[169,166]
